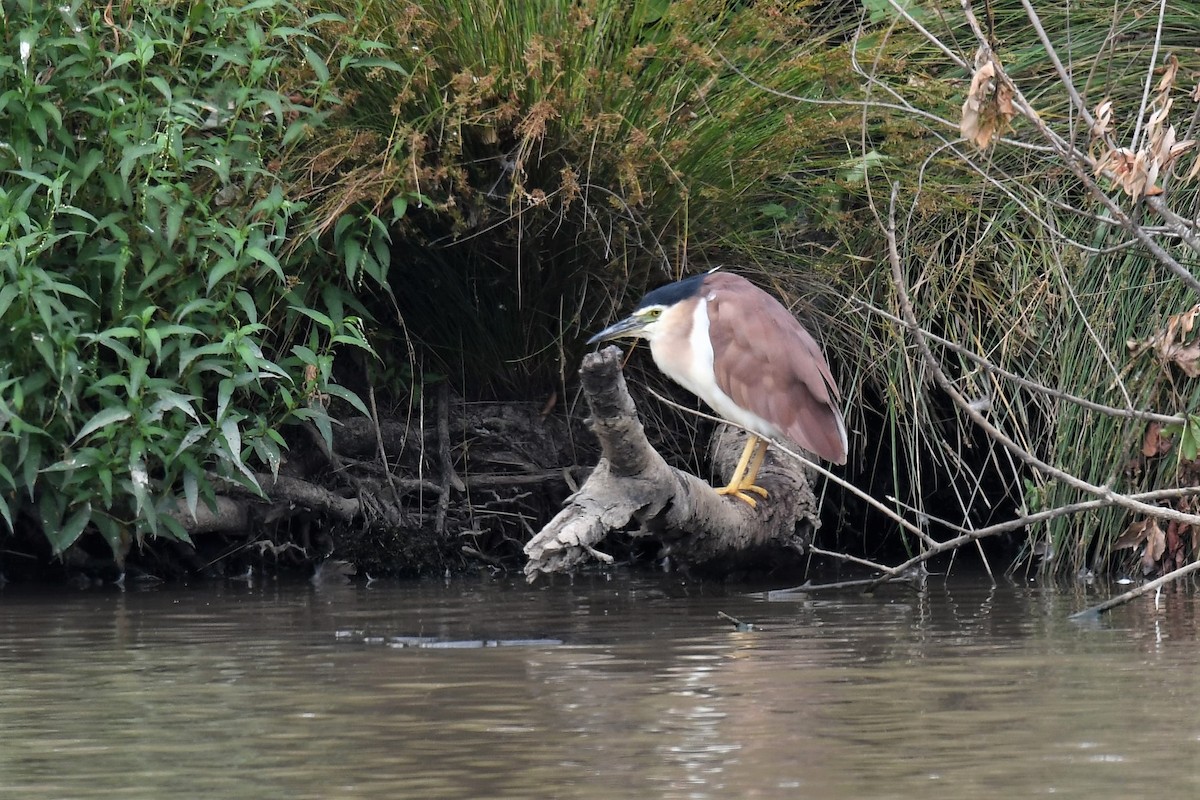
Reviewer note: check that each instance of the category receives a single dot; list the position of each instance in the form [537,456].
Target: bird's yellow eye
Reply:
[653,313]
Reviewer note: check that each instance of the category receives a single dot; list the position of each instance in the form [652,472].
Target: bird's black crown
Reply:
[673,293]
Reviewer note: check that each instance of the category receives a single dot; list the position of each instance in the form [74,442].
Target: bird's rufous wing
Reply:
[769,364]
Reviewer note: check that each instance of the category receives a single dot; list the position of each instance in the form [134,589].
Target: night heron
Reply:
[741,352]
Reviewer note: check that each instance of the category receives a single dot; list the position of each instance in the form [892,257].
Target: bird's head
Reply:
[658,311]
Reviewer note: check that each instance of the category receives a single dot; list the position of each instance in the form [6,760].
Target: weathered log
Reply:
[289,496]
[633,490]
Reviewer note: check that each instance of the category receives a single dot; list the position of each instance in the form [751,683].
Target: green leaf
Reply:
[342,338]
[1189,443]
[246,302]
[175,529]
[193,436]
[6,512]
[64,536]
[168,399]
[174,221]
[305,354]
[139,483]
[103,419]
[316,316]
[164,88]
[399,208]
[349,396]
[268,451]
[352,253]
[106,482]
[263,257]
[113,533]
[855,170]
[224,392]
[120,332]
[775,211]
[191,492]
[233,439]
[7,293]
[223,268]
[131,156]
[316,62]
[320,419]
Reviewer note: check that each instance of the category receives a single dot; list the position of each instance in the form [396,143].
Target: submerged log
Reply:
[634,491]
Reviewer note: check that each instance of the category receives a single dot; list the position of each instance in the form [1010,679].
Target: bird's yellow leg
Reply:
[748,479]
[742,480]
[736,478]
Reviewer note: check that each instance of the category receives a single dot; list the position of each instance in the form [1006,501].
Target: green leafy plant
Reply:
[160,332]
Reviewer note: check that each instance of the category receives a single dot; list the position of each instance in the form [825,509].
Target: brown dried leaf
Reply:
[1103,120]
[1179,148]
[989,105]
[1180,325]
[1133,174]
[1133,535]
[1156,545]
[1174,343]
[1187,358]
[1170,70]
[1155,444]
[1114,160]
[1160,115]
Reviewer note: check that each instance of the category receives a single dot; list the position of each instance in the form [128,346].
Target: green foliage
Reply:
[159,331]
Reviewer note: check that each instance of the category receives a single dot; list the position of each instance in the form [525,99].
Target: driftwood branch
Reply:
[633,490]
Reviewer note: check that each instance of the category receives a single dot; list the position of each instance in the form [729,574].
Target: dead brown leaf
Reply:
[1148,533]
[1133,535]
[1156,545]
[1133,172]
[1137,173]
[1155,443]
[989,105]
[1103,118]
[1170,70]
[1175,343]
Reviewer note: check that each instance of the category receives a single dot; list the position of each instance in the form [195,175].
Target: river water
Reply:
[601,687]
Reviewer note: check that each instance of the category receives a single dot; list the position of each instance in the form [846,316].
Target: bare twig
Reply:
[1058,394]
[817,551]
[1132,594]
[383,456]
[840,481]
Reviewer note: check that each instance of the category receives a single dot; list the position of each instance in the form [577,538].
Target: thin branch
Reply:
[840,481]
[1132,594]
[1058,394]
[968,536]
[1141,116]
[817,551]
[1180,226]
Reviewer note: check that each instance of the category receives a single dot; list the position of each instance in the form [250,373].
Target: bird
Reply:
[739,350]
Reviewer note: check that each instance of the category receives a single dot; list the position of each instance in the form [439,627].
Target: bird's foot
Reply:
[740,492]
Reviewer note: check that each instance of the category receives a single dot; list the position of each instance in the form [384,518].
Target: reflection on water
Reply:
[608,688]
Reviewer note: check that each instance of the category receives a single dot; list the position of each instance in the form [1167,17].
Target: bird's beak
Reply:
[628,328]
